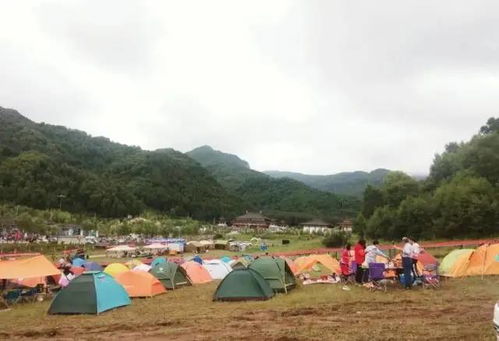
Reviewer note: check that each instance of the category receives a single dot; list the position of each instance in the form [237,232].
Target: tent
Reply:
[197,274]
[226,259]
[92,292]
[197,259]
[140,283]
[195,247]
[133,263]
[276,272]
[307,262]
[92,266]
[158,260]
[78,261]
[170,275]
[241,285]
[217,268]
[240,263]
[451,263]
[142,267]
[38,266]
[292,265]
[121,248]
[156,246]
[115,268]
[484,261]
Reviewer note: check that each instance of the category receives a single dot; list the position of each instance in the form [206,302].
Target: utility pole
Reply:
[60,196]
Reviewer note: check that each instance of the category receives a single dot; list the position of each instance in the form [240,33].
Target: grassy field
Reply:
[460,310]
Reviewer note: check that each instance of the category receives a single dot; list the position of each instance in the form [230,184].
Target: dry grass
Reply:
[460,310]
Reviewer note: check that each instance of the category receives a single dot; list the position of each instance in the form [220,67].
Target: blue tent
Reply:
[92,292]
[158,260]
[225,259]
[92,266]
[78,261]
[198,259]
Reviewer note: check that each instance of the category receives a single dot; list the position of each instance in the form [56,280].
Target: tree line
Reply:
[460,197]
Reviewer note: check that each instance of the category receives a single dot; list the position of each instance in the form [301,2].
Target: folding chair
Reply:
[430,278]
[377,276]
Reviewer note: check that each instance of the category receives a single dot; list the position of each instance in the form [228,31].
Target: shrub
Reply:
[336,239]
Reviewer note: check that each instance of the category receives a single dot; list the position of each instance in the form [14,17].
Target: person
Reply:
[416,251]
[345,261]
[407,262]
[372,251]
[359,258]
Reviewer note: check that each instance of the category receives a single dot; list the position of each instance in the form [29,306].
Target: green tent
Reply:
[91,292]
[448,262]
[243,285]
[276,272]
[170,275]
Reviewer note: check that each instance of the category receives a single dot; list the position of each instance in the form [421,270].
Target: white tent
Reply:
[217,268]
[156,246]
[121,248]
[142,267]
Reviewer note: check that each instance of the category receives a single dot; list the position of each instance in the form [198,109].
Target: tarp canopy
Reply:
[38,266]
[306,263]
[140,284]
[217,268]
[121,248]
[156,246]
[241,285]
[170,275]
[196,272]
[276,272]
[90,293]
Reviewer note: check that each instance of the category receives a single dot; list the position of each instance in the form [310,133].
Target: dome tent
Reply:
[115,268]
[243,285]
[217,268]
[450,264]
[276,272]
[158,260]
[170,275]
[92,292]
[197,274]
[140,283]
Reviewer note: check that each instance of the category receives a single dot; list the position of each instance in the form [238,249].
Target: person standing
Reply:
[359,258]
[416,250]
[407,262]
[372,251]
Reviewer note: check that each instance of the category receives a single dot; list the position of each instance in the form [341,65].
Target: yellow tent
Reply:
[115,268]
[133,263]
[306,263]
[458,269]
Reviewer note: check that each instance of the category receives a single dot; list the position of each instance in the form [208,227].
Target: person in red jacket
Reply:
[359,258]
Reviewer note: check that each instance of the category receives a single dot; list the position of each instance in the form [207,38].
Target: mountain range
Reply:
[47,166]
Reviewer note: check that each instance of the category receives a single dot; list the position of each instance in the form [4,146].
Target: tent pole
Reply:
[484,258]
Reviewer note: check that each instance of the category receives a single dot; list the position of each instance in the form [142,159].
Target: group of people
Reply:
[357,262]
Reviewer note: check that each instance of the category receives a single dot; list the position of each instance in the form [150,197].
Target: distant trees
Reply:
[460,197]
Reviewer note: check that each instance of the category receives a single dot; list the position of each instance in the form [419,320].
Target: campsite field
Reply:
[460,310]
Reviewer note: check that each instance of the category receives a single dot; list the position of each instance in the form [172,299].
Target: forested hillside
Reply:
[286,199]
[348,183]
[45,166]
[459,198]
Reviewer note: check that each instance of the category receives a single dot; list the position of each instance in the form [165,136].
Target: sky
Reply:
[310,86]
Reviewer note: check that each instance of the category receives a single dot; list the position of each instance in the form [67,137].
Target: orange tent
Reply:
[140,283]
[307,262]
[37,266]
[484,261]
[196,272]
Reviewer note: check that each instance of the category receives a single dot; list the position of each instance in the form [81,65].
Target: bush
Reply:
[336,239]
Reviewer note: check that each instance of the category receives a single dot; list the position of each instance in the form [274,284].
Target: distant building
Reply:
[345,226]
[251,220]
[316,225]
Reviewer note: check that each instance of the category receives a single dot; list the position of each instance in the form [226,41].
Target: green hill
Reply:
[283,198]
[44,166]
[348,183]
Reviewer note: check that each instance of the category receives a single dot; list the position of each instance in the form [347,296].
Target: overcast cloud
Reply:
[310,86]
